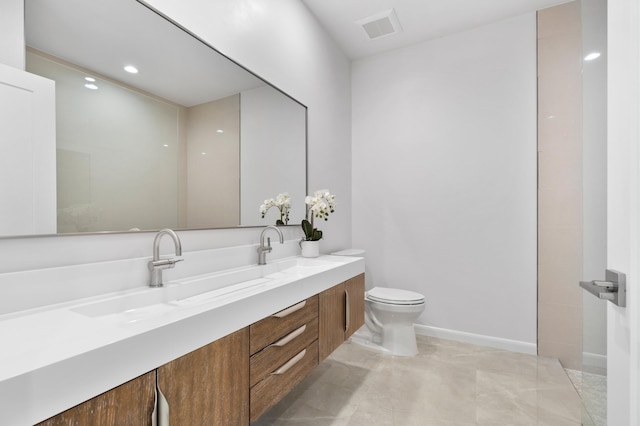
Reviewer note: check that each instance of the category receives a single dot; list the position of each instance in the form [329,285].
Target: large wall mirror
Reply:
[189,141]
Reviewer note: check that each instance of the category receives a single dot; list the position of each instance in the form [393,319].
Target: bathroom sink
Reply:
[146,302]
[153,301]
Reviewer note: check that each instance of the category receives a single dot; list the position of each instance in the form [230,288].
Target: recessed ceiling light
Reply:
[91,79]
[131,69]
[220,131]
[591,56]
[165,145]
[91,86]
[203,153]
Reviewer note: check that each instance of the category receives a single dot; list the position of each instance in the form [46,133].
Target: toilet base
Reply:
[367,343]
[400,341]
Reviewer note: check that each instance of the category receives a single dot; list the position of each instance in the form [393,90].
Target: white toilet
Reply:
[389,317]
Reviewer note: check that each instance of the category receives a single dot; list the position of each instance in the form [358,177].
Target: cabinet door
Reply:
[332,320]
[130,404]
[209,386]
[354,289]
[341,313]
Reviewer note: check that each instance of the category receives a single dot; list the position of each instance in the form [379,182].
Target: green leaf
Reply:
[307,228]
[310,233]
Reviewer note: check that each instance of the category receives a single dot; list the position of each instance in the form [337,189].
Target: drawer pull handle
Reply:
[293,361]
[290,310]
[289,337]
[347,311]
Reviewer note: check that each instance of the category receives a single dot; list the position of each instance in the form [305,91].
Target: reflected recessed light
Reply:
[203,153]
[165,145]
[131,69]
[220,131]
[91,86]
[91,79]
[591,56]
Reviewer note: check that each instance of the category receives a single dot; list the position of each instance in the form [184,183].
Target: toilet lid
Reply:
[395,296]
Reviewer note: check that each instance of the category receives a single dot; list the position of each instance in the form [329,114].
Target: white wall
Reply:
[12,33]
[213,163]
[281,42]
[268,115]
[444,177]
[120,172]
[623,209]
[27,153]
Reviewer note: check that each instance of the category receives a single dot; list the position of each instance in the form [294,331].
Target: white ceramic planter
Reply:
[310,248]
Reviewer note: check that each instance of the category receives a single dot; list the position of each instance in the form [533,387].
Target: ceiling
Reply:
[420,19]
[103,36]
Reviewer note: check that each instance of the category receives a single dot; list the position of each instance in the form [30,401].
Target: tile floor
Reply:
[448,383]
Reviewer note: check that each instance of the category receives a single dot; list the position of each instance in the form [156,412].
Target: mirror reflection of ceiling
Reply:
[190,141]
[98,35]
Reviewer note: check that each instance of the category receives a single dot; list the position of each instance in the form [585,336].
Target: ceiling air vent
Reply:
[381,24]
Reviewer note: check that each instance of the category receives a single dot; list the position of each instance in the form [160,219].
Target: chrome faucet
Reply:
[157,265]
[262,249]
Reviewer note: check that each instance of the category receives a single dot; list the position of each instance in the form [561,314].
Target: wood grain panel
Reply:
[272,357]
[130,404]
[332,320]
[355,288]
[270,329]
[209,386]
[273,388]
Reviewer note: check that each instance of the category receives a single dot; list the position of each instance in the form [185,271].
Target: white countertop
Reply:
[54,357]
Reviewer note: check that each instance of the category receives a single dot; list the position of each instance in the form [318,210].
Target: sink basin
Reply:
[134,305]
[204,291]
[156,300]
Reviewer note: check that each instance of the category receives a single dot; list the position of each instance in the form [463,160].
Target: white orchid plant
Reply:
[282,202]
[319,205]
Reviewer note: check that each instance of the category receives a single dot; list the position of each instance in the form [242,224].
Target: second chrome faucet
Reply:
[156,265]
[262,249]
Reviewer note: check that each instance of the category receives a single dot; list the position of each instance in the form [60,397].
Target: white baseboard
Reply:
[594,360]
[477,339]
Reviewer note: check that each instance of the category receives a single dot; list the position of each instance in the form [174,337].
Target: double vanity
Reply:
[219,342]
[216,348]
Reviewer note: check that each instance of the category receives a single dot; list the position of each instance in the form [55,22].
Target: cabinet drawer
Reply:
[276,385]
[278,353]
[270,329]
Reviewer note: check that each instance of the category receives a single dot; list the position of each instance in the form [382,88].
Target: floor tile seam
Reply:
[438,417]
[513,375]
[513,394]
[558,386]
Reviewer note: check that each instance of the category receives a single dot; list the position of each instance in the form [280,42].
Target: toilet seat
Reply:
[394,296]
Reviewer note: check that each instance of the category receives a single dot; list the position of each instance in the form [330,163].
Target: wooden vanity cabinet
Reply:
[209,386]
[284,349]
[235,379]
[341,313]
[129,404]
